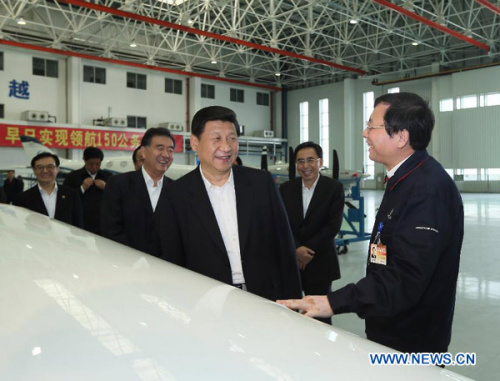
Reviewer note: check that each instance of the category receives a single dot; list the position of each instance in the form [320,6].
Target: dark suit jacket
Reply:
[68,205]
[321,224]
[12,188]
[190,236]
[91,199]
[126,213]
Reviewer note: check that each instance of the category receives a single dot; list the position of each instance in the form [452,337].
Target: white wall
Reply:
[46,93]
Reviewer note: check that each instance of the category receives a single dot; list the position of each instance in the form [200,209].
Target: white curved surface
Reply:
[76,306]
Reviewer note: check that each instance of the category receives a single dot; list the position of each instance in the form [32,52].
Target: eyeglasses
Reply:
[369,128]
[309,160]
[48,167]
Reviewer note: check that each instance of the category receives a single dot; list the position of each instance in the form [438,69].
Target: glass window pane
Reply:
[178,87]
[88,74]
[100,75]
[141,81]
[38,66]
[131,82]
[52,68]
[446,105]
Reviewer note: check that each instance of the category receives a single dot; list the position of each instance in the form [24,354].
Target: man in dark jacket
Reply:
[314,205]
[228,222]
[56,201]
[130,199]
[12,186]
[407,297]
[90,182]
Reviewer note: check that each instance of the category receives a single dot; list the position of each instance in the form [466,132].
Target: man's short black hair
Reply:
[134,157]
[155,131]
[44,155]
[317,148]
[408,111]
[211,113]
[92,153]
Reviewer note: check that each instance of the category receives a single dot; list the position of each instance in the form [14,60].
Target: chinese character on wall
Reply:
[19,89]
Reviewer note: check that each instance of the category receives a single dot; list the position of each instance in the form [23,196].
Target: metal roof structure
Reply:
[268,43]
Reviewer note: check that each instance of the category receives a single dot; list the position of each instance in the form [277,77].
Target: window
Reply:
[467,101]
[263,99]
[173,86]
[207,91]
[369,165]
[94,74]
[136,121]
[446,105]
[237,95]
[393,90]
[491,99]
[45,68]
[1,60]
[2,111]
[304,121]
[324,132]
[136,81]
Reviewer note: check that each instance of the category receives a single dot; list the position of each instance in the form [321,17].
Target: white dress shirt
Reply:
[307,195]
[223,200]
[154,191]
[49,200]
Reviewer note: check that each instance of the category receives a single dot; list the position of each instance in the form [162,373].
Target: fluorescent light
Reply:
[172,2]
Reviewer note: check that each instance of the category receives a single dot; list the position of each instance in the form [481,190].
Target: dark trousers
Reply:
[317,288]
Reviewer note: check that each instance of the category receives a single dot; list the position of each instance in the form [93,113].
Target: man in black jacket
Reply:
[407,297]
[12,186]
[228,222]
[314,205]
[130,199]
[56,201]
[90,182]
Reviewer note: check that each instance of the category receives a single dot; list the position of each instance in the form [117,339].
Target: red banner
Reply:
[79,138]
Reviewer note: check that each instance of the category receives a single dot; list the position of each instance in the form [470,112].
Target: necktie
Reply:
[386,179]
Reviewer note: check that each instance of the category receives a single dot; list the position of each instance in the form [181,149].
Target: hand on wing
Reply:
[101,184]
[87,183]
[311,305]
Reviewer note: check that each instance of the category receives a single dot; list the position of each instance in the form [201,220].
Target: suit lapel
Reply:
[244,205]
[38,200]
[200,202]
[138,185]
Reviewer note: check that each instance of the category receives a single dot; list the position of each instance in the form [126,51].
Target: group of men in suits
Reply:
[225,221]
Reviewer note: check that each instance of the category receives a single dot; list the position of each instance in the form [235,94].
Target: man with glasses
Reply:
[314,205]
[130,199]
[407,297]
[47,197]
[227,221]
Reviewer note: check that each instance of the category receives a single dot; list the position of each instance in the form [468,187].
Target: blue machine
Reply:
[354,216]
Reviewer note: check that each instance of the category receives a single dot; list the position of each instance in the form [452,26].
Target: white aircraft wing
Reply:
[76,306]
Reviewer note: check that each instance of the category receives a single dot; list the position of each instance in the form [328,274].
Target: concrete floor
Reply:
[477,312]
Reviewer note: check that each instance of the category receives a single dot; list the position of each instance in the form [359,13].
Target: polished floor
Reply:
[477,312]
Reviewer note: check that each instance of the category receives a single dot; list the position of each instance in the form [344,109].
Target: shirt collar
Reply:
[209,185]
[313,186]
[393,170]
[149,181]
[43,190]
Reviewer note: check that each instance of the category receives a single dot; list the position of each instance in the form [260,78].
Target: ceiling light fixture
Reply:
[353,21]
[21,21]
[415,43]
[277,74]
[213,62]
[133,44]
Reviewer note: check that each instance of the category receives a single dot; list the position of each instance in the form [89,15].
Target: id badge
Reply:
[378,254]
